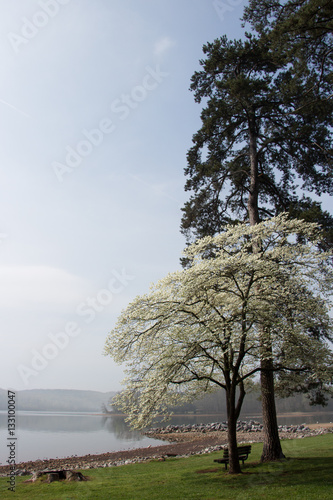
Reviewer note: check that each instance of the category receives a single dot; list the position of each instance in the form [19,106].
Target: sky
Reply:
[96,118]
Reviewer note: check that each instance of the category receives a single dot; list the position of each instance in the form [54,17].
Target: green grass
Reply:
[306,474]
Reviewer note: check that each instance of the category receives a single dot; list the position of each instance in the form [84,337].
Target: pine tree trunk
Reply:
[272,447]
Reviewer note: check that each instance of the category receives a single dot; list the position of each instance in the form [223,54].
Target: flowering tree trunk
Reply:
[233,412]
[234,467]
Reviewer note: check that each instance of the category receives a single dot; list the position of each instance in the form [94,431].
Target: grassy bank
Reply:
[306,474]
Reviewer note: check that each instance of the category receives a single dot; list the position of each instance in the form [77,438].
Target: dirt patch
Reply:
[320,426]
[208,471]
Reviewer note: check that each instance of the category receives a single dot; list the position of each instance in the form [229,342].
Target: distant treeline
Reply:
[93,401]
[214,403]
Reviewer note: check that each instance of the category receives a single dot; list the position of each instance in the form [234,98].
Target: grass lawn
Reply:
[306,474]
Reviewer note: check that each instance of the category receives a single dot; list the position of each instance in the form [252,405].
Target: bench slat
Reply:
[242,453]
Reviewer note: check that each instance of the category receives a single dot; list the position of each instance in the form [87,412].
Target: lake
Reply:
[42,435]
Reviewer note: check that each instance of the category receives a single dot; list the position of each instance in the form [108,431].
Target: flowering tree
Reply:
[201,327]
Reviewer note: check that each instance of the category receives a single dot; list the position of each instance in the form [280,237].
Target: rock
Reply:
[22,473]
[57,475]
[35,476]
[75,476]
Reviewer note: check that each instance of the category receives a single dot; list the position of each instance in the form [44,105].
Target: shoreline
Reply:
[245,416]
[318,426]
[179,444]
[110,459]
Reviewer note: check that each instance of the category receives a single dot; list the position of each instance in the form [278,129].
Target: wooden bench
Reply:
[242,452]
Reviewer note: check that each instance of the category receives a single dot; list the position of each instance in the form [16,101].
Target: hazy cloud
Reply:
[39,287]
[163,45]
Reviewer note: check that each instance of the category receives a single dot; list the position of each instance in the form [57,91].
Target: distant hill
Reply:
[96,402]
[58,400]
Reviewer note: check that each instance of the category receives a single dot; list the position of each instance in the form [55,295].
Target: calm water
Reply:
[43,435]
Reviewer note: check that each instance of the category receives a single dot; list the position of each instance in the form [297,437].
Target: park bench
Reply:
[242,452]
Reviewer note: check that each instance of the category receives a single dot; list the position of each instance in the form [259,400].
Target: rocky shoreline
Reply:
[245,426]
[184,440]
[251,426]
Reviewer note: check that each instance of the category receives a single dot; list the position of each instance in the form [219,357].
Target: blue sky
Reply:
[96,119]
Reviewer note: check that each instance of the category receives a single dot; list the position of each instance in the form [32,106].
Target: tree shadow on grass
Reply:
[314,471]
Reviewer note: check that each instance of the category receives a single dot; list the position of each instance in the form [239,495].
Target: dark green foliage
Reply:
[277,90]
[304,24]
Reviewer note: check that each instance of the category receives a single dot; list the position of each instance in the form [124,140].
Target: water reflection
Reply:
[45,435]
[117,425]
[72,422]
